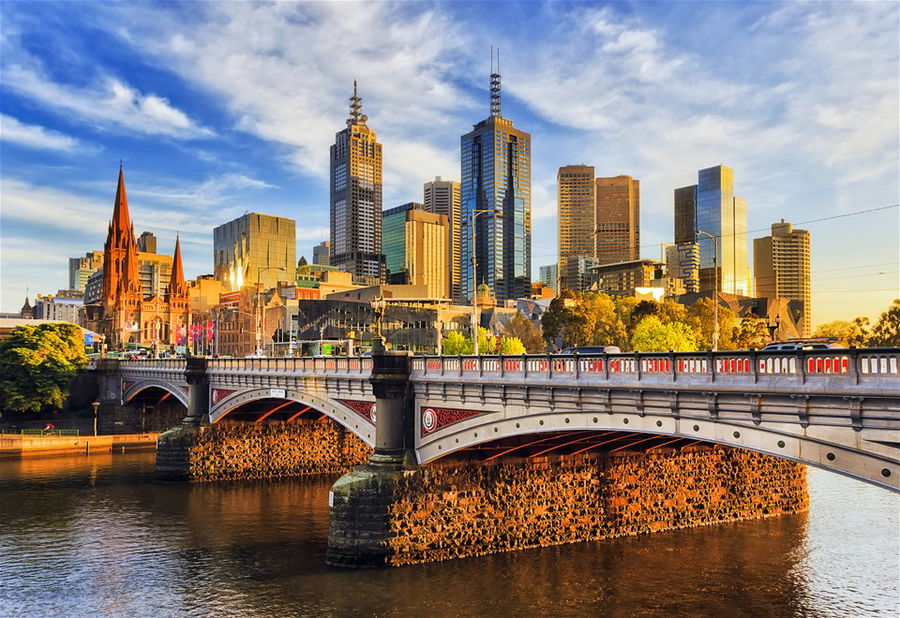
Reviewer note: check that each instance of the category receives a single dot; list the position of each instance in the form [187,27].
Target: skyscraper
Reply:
[618,219]
[255,247]
[781,267]
[322,253]
[356,198]
[417,248]
[442,197]
[715,210]
[550,275]
[81,268]
[496,177]
[576,208]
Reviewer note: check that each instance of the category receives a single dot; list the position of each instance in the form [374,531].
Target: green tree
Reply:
[886,332]
[522,328]
[600,322]
[37,364]
[511,345]
[561,325]
[751,333]
[487,341]
[653,335]
[456,344]
[848,333]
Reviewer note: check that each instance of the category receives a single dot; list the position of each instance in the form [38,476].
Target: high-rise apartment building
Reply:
[322,253]
[683,262]
[356,198]
[715,210]
[81,268]
[781,267]
[255,248]
[618,219]
[576,205]
[442,197]
[550,276]
[417,248]
[495,192]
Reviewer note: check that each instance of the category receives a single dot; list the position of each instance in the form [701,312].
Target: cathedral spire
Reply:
[177,287]
[121,220]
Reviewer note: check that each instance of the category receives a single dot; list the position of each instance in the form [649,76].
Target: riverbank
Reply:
[31,445]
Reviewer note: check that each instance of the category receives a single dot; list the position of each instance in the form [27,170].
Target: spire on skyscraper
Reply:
[495,84]
[355,108]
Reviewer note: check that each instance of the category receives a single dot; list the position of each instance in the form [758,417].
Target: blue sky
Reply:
[222,108]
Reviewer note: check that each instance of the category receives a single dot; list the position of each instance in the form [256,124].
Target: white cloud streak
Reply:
[34,136]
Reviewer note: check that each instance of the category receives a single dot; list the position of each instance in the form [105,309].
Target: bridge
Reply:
[834,409]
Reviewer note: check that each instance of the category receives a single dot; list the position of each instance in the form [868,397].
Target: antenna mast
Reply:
[495,84]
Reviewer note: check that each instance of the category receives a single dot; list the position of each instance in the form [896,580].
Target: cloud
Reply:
[213,191]
[34,136]
[107,103]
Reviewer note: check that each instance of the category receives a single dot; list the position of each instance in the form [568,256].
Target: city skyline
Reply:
[200,150]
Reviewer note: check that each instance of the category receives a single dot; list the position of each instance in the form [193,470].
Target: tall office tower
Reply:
[146,242]
[576,207]
[442,197]
[618,219]
[550,276]
[322,253]
[81,268]
[683,262]
[496,177]
[715,210]
[356,198]
[781,267]
[253,248]
[417,248]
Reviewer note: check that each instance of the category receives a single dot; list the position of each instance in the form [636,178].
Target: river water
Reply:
[95,536]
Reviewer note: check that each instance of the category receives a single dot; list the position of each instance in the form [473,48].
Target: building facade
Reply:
[442,197]
[624,277]
[417,248]
[81,268]
[255,248]
[781,267]
[496,178]
[124,314]
[65,306]
[322,253]
[618,218]
[683,262]
[579,272]
[715,210]
[576,224]
[550,276]
[356,160]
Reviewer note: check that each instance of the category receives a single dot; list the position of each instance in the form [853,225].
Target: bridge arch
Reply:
[354,415]
[653,431]
[130,391]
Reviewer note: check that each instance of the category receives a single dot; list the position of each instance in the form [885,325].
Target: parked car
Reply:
[793,347]
[593,349]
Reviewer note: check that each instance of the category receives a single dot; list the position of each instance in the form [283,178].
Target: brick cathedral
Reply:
[124,314]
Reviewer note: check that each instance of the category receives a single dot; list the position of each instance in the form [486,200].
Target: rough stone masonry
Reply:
[447,510]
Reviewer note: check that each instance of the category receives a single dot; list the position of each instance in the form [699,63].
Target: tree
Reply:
[886,332]
[653,335]
[487,341]
[751,333]
[37,364]
[522,328]
[456,344]
[600,322]
[511,345]
[700,318]
[848,333]
[560,323]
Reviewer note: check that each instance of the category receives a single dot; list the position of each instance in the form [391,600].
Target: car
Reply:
[593,349]
[793,347]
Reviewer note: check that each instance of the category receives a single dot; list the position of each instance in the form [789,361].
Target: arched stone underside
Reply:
[174,390]
[296,402]
[492,427]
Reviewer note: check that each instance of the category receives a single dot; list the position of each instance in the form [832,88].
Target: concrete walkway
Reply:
[20,446]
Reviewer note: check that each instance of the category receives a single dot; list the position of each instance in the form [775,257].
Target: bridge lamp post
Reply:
[259,271]
[475,213]
[715,330]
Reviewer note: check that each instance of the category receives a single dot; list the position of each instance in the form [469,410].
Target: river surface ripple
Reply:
[95,536]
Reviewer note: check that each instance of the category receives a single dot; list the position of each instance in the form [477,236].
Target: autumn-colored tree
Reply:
[751,333]
[511,345]
[600,322]
[522,328]
[653,335]
[37,364]
[456,344]
[700,318]
[847,333]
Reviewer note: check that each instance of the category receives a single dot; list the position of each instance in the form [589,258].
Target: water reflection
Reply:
[84,535]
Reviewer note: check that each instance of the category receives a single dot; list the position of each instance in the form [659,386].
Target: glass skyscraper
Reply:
[496,177]
[716,211]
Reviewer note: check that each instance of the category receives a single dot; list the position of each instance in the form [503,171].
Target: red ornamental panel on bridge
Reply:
[365,409]
[126,385]
[218,394]
[438,418]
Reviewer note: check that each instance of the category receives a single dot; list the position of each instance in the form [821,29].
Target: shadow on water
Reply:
[96,535]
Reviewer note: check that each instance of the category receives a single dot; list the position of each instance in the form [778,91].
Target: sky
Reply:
[222,108]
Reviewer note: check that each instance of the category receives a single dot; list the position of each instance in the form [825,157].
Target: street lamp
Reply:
[715,331]
[259,271]
[475,213]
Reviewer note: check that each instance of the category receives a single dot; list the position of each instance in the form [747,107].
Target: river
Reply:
[95,536]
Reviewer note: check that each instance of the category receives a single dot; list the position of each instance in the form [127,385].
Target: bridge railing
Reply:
[852,363]
[322,365]
[159,364]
